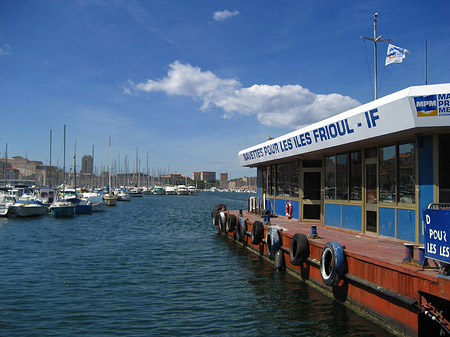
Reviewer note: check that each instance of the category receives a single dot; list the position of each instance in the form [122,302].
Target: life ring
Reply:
[257,232]
[332,263]
[289,210]
[273,241]
[241,229]
[231,223]
[299,249]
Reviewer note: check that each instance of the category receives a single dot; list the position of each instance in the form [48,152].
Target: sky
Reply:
[188,84]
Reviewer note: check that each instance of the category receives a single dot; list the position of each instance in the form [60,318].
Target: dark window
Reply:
[342,176]
[330,177]
[294,173]
[444,168]
[388,159]
[355,175]
[406,173]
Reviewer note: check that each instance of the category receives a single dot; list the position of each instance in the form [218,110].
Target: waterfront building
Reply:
[224,180]
[208,175]
[372,169]
[196,176]
[87,164]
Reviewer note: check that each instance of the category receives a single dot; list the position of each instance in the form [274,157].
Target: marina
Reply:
[242,168]
[136,269]
[361,213]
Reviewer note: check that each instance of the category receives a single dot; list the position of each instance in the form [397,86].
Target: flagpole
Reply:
[375,40]
[426,64]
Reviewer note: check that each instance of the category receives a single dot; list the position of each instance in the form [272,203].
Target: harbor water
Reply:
[154,266]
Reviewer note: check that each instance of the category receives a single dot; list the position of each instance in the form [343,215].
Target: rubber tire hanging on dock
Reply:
[241,230]
[299,249]
[332,263]
[223,221]
[257,232]
[231,223]
[273,241]
[215,214]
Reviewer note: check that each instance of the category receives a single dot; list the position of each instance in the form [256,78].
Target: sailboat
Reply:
[110,198]
[81,206]
[61,207]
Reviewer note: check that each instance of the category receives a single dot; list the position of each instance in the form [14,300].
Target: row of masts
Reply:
[128,179]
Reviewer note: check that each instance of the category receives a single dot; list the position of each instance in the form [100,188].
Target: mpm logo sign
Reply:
[426,106]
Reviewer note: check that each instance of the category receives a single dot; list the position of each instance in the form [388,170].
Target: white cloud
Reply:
[224,15]
[288,106]
[5,50]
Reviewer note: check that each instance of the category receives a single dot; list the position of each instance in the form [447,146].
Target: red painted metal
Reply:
[374,260]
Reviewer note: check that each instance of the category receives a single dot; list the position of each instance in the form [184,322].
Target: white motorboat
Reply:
[158,190]
[182,190]
[170,190]
[98,204]
[192,190]
[123,196]
[62,208]
[5,202]
[135,192]
[25,208]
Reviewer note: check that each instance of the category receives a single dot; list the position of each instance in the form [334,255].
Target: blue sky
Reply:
[191,83]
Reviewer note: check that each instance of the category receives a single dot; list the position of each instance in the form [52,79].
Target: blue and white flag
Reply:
[395,54]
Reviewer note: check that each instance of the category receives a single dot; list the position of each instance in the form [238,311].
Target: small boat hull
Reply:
[110,200]
[83,209]
[26,210]
[62,210]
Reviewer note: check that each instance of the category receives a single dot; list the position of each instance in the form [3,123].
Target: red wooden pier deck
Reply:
[377,279]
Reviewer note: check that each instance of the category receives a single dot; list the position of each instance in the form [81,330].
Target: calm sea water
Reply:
[154,266]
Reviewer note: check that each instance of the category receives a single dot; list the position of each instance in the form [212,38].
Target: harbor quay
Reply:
[381,278]
[359,205]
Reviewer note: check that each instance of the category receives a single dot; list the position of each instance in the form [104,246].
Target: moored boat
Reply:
[123,196]
[96,200]
[192,190]
[110,199]
[25,208]
[158,190]
[135,192]
[63,209]
[170,190]
[182,190]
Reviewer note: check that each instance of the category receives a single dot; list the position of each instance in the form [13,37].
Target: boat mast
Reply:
[137,176]
[64,163]
[50,173]
[93,173]
[109,165]
[75,166]
[375,40]
[5,171]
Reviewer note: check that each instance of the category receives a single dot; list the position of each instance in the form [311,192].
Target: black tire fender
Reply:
[231,223]
[332,263]
[241,230]
[273,241]
[223,221]
[257,232]
[299,249]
